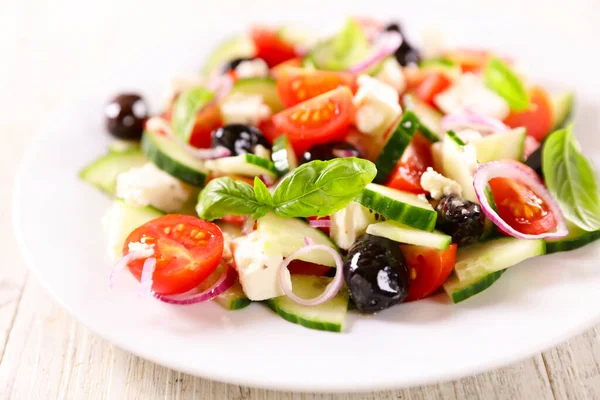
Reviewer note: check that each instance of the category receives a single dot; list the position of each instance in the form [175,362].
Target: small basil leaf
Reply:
[571,179]
[321,188]
[503,81]
[223,196]
[261,212]
[186,107]
[261,192]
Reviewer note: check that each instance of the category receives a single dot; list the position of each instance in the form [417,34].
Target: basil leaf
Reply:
[571,179]
[223,196]
[186,108]
[504,82]
[261,192]
[321,188]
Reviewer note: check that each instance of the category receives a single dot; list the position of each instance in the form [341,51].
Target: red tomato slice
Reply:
[299,267]
[268,129]
[270,47]
[433,84]
[187,250]
[520,207]
[234,219]
[207,120]
[279,68]
[295,85]
[428,268]
[326,118]
[538,118]
[415,160]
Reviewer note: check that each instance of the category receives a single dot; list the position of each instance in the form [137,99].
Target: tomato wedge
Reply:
[433,84]
[279,68]
[415,160]
[270,47]
[428,268]
[268,129]
[207,120]
[326,118]
[521,208]
[538,118]
[187,250]
[295,85]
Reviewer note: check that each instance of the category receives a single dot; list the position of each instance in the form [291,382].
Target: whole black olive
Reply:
[239,138]
[125,116]
[232,64]
[405,54]
[376,274]
[329,151]
[460,218]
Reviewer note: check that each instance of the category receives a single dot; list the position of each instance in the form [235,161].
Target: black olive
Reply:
[405,54]
[376,274]
[232,64]
[329,151]
[239,138]
[393,27]
[535,161]
[460,218]
[125,116]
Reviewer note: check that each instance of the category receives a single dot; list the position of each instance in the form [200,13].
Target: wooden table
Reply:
[46,354]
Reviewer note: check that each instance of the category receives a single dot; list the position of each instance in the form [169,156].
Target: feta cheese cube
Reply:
[349,223]
[151,186]
[468,135]
[242,108]
[391,74]
[377,106]
[438,185]
[256,68]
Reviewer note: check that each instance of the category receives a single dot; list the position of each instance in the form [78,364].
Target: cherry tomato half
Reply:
[433,84]
[207,120]
[270,46]
[295,85]
[537,119]
[187,250]
[428,268]
[279,68]
[415,160]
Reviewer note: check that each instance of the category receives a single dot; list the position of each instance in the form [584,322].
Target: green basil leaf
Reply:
[321,188]
[503,81]
[186,108]
[571,179]
[261,192]
[223,196]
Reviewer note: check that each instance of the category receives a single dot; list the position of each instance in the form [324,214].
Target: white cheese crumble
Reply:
[138,246]
[438,185]
[242,108]
[470,158]
[349,223]
[470,95]
[150,186]
[262,151]
[468,135]
[377,106]
[256,68]
[391,74]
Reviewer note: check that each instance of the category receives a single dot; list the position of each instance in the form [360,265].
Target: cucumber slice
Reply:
[393,149]
[297,36]
[283,155]
[329,316]
[405,234]
[285,235]
[346,48]
[460,291]
[245,165]
[429,118]
[263,86]
[460,162]
[479,260]
[168,156]
[405,208]
[442,65]
[576,238]
[501,146]
[103,172]
[241,46]
[562,105]
[121,220]
[123,146]
[233,298]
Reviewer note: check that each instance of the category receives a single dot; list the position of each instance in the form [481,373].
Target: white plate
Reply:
[534,306]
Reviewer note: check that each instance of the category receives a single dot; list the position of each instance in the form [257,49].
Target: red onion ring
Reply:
[221,85]
[482,124]
[146,278]
[126,259]
[248,226]
[507,169]
[226,280]
[268,179]
[384,45]
[332,289]
[341,153]
[320,223]
[531,145]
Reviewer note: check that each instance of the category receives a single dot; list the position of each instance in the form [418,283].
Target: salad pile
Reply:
[318,173]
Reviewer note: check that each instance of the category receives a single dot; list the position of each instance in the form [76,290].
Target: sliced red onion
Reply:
[342,153]
[385,44]
[330,291]
[320,223]
[126,259]
[531,145]
[370,26]
[207,154]
[508,169]
[221,85]
[268,180]
[146,278]
[248,226]
[482,124]
[226,280]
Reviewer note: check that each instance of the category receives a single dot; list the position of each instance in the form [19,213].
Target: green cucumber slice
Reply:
[562,105]
[428,117]
[122,219]
[233,298]
[501,146]
[457,162]
[283,155]
[346,48]
[171,158]
[285,235]
[245,165]
[405,234]
[460,291]
[241,46]
[442,65]
[329,316]
[102,173]
[481,259]
[395,146]
[263,86]
[576,238]
[405,208]
[123,146]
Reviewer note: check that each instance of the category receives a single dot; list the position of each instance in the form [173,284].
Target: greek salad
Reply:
[318,174]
